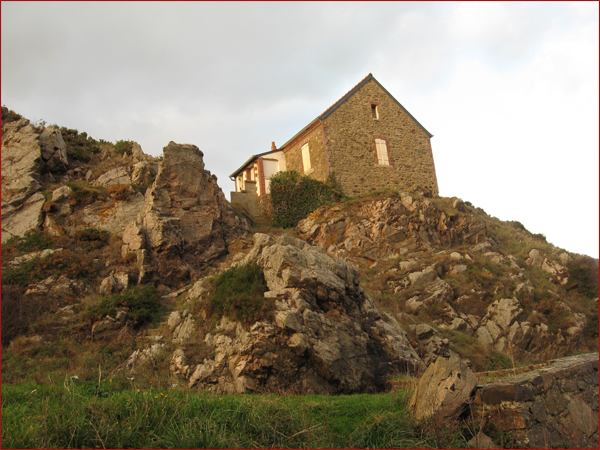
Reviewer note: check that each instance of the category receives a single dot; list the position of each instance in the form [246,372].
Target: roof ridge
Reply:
[346,94]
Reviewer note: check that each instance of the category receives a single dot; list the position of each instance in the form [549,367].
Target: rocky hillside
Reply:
[139,264]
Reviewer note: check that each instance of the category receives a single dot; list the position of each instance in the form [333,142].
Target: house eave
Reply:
[252,158]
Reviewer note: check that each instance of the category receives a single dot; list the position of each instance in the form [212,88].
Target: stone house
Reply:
[367,140]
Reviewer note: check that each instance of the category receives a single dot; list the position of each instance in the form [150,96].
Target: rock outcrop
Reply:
[23,161]
[444,390]
[388,228]
[185,222]
[326,337]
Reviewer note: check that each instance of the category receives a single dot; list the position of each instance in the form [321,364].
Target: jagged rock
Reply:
[432,342]
[118,175]
[384,229]
[17,221]
[33,255]
[184,330]
[143,173]
[326,335]
[60,287]
[118,281]
[504,312]
[179,364]
[444,389]
[536,258]
[21,163]
[54,151]
[186,220]
[141,356]
[426,275]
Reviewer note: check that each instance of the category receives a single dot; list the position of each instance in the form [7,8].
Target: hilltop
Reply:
[124,263]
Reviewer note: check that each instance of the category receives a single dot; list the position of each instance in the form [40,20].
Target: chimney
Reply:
[273,146]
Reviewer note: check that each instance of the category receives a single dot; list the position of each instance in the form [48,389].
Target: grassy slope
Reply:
[93,415]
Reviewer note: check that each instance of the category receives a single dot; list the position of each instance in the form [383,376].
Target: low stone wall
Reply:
[555,406]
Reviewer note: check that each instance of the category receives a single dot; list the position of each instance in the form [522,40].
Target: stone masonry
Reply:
[553,407]
[350,133]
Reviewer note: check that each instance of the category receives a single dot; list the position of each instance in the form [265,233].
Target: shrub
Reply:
[239,295]
[142,301]
[33,241]
[8,115]
[84,194]
[295,196]
[120,192]
[124,147]
[92,238]
[498,362]
[79,146]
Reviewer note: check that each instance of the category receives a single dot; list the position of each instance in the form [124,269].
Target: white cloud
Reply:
[509,89]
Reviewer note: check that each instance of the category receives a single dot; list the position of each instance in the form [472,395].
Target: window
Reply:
[306,158]
[383,158]
[374,111]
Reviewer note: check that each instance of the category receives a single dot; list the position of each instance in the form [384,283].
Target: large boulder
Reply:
[444,389]
[326,335]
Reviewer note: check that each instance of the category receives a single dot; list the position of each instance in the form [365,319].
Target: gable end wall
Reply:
[350,132]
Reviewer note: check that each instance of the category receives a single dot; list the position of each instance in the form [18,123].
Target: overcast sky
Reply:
[509,90]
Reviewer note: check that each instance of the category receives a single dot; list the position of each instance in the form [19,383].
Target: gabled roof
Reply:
[252,158]
[342,100]
[328,112]
[352,91]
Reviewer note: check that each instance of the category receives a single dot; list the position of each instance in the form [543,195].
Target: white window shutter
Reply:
[382,152]
[306,157]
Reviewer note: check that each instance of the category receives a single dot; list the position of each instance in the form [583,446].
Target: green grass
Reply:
[239,295]
[93,415]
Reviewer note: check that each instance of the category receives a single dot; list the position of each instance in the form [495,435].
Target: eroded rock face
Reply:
[186,221]
[327,336]
[387,228]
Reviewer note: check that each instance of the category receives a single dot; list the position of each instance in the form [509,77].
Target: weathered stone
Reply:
[184,330]
[508,420]
[482,440]
[326,335]
[444,389]
[53,149]
[118,175]
[583,417]
[144,355]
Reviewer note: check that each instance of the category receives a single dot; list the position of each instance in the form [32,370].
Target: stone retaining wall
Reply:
[551,407]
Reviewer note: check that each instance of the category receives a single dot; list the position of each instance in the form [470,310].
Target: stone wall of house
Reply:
[350,132]
[553,407]
[265,206]
[318,155]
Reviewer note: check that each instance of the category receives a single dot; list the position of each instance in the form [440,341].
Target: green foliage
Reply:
[239,295]
[123,147]
[498,362]
[143,187]
[142,301]
[8,115]
[583,276]
[295,196]
[84,194]
[518,225]
[80,146]
[92,237]
[33,241]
